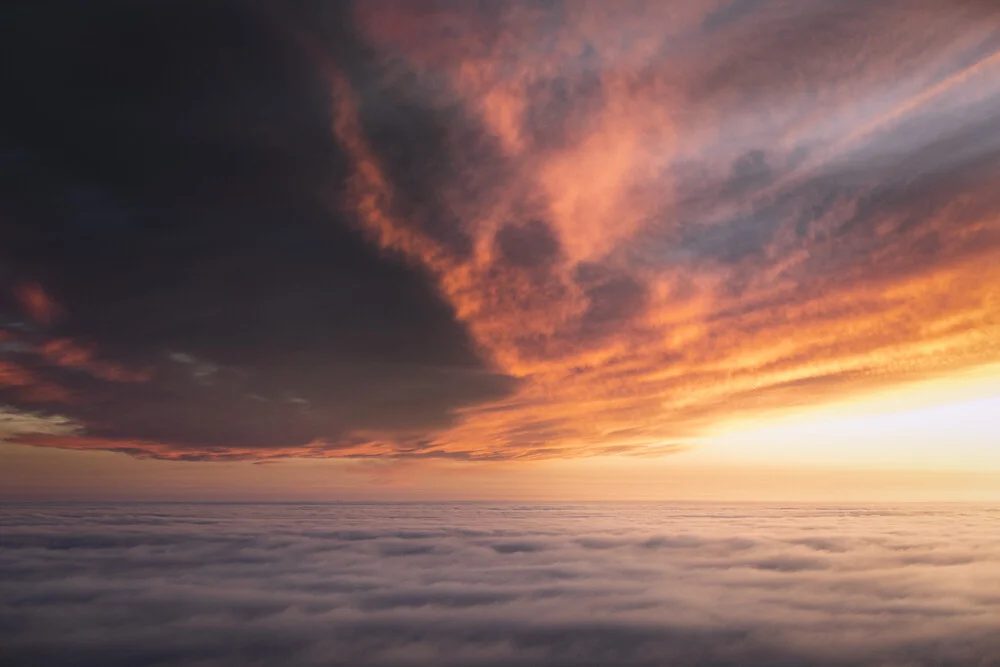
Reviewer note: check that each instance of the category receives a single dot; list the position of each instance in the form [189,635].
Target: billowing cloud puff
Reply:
[483,585]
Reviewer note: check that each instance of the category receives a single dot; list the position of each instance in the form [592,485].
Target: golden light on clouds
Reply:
[666,217]
[644,225]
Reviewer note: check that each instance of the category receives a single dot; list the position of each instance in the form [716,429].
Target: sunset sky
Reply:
[443,249]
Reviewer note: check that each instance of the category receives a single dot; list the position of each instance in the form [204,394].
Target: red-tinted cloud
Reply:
[37,304]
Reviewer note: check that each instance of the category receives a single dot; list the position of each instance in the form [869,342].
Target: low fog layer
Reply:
[438,585]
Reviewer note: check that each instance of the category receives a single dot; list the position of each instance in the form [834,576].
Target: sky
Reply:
[428,249]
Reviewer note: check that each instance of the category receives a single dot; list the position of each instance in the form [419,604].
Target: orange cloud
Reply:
[648,262]
[27,380]
[37,304]
[68,354]
[169,452]
[28,387]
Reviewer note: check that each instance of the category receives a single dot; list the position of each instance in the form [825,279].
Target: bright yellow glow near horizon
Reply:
[952,423]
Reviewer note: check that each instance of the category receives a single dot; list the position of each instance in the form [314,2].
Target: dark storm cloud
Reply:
[170,206]
[499,585]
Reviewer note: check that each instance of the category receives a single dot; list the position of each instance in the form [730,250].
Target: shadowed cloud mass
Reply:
[486,230]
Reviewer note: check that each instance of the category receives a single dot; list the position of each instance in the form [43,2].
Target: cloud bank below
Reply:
[499,585]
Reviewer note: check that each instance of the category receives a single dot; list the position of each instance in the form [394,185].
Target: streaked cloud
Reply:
[668,216]
[611,227]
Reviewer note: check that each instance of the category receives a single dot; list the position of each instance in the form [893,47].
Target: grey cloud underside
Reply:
[478,585]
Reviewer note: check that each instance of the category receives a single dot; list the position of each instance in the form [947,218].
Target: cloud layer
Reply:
[479,585]
[490,231]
